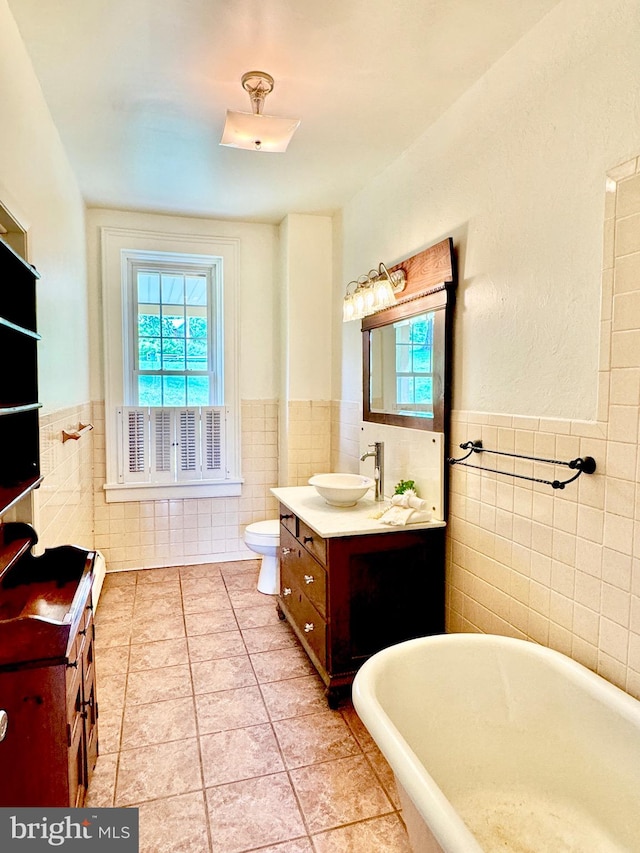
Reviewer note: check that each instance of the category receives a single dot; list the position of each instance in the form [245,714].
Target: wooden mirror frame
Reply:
[430,286]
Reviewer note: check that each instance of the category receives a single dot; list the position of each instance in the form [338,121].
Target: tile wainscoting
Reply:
[563,567]
[70,506]
[346,425]
[308,440]
[63,505]
[150,534]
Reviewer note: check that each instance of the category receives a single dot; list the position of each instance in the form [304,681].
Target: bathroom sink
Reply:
[341,489]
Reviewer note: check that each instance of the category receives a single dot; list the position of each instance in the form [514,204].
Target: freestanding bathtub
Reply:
[503,745]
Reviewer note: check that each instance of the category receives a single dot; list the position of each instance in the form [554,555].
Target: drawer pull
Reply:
[309,579]
[308,627]
[4,722]
[73,664]
[286,551]
[287,515]
[286,591]
[307,539]
[83,632]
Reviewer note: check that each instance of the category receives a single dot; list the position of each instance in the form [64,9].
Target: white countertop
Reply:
[330,521]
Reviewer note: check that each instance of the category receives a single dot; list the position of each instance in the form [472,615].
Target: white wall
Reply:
[40,191]
[514,171]
[258,337]
[306,322]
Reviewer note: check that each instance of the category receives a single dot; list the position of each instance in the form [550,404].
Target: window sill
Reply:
[119,492]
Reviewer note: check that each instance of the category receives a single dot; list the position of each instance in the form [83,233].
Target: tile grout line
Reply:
[197,724]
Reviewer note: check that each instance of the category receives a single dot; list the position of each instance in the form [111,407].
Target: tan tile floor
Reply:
[214,724]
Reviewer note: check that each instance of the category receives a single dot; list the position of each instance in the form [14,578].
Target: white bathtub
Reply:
[503,745]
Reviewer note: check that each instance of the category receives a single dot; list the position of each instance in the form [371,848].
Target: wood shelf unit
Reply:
[47,676]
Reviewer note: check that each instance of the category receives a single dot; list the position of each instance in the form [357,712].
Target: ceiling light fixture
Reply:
[254,131]
[372,292]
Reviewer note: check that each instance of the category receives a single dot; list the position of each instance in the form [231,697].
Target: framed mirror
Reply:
[407,354]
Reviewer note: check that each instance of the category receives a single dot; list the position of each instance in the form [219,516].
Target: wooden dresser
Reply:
[348,596]
[48,703]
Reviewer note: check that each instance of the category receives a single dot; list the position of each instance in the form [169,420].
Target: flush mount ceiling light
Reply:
[372,292]
[255,131]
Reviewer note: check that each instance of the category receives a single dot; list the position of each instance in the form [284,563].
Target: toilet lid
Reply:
[265,528]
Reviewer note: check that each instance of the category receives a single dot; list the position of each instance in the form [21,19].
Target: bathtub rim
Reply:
[443,821]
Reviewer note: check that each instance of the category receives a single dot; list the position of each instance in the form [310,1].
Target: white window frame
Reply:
[169,262]
[118,247]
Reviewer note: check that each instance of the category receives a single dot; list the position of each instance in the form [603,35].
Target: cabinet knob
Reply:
[4,723]
[309,578]
[307,539]
[308,627]
[286,551]
[286,591]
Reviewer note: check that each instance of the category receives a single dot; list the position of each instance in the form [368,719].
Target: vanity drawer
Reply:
[314,543]
[300,572]
[310,624]
[312,581]
[288,520]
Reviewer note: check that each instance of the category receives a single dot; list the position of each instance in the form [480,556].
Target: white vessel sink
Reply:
[341,489]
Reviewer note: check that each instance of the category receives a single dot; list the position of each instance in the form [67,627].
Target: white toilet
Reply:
[263,537]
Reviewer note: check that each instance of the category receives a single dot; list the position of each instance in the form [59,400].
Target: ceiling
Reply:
[138,90]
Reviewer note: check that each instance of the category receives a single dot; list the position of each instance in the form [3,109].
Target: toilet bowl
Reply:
[263,537]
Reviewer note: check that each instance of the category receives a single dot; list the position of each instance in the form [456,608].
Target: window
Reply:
[171,396]
[414,365]
[176,345]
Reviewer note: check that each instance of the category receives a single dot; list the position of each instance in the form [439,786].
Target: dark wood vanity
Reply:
[348,596]
[349,585]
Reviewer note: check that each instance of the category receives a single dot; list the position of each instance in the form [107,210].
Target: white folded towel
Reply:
[409,499]
[399,516]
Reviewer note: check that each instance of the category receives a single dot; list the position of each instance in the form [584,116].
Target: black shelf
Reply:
[15,328]
[19,423]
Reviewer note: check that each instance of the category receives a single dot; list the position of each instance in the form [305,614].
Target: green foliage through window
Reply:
[173,338]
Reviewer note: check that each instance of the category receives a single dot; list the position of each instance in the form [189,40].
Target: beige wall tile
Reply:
[627,237]
[628,197]
[627,273]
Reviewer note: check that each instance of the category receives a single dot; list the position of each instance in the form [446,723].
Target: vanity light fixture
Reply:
[255,131]
[372,292]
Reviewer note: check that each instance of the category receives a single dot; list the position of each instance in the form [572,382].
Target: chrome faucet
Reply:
[378,454]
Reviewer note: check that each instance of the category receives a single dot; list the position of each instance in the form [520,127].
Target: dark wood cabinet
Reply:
[48,702]
[347,597]
[48,705]
[19,432]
